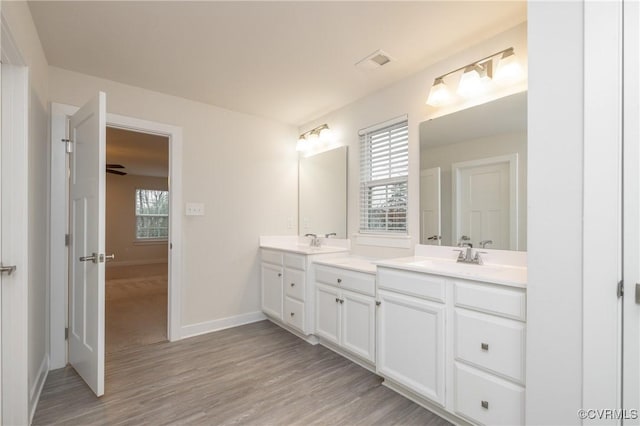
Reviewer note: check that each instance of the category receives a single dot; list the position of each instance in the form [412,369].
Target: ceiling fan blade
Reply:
[115,166]
[116,172]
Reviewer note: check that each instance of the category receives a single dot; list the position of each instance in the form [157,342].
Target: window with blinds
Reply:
[384,169]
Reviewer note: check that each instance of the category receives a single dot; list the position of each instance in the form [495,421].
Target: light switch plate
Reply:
[195,209]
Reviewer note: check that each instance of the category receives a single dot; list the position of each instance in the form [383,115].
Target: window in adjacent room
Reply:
[152,214]
[384,167]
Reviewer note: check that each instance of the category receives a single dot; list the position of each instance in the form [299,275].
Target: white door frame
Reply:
[15,303]
[456,169]
[59,222]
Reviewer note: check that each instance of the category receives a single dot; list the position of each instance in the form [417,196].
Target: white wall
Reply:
[554,292]
[242,167]
[121,221]
[18,18]
[408,97]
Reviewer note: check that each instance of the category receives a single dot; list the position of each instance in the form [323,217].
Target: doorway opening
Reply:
[137,231]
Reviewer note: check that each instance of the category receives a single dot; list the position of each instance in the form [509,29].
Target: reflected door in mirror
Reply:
[430,201]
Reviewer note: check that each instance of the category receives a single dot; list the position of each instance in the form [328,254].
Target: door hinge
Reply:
[66,333]
[67,145]
[620,290]
[67,240]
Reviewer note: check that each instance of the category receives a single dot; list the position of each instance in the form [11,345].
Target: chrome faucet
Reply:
[484,243]
[467,255]
[315,241]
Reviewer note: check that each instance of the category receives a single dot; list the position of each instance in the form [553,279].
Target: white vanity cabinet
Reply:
[411,331]
[345,310]
[489,352]
[457,344]
[284,279]
[271,271]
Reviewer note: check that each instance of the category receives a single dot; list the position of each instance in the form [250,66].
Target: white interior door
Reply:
[631,213]
[430,200]
[87,160]
[485,201]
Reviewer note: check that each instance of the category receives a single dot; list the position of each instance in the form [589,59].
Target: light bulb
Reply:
[439,94]
[474,79]
[326,135]
[302,145]
[508,68]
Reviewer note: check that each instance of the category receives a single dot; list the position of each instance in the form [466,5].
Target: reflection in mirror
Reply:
[322,199]
[473,176]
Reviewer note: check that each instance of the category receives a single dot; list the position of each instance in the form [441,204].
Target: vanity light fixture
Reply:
[319,135]
[475,77]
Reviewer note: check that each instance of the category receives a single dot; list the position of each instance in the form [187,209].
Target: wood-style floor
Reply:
[257,374]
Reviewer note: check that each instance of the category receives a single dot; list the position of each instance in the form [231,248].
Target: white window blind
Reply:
[384,167]
[152,214]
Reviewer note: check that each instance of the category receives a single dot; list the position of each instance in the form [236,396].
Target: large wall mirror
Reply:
[322,198]
[473,170]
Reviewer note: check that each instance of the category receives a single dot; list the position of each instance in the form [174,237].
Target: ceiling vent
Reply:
[375,60]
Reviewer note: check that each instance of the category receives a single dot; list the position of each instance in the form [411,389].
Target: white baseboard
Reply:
[115,264]
[220,324]
[36,389]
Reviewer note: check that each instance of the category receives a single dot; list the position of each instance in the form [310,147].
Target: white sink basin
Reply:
[456,267]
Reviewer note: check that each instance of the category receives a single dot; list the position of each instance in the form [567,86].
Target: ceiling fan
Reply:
[111,169]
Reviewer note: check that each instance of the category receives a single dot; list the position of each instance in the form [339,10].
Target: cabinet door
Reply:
[328,313]
[411,345]
[271,280]
[358,324]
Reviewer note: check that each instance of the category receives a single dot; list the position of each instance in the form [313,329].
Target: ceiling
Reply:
[291,61]
[140,153]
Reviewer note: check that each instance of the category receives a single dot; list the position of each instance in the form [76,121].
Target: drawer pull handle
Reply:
[293,284]
[339,280]
[484,346]
[485,404]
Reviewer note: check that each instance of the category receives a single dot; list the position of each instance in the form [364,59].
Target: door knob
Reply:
[110,257]
[9,269]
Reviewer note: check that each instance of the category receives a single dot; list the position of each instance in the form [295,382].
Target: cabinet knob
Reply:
[279,274]
[339,280]
[484,404]
[337,300]
[292,314]
[378,303]
[293,284]
[484,346]
[341,300]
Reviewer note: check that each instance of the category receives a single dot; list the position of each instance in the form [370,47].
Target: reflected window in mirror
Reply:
[384,169]
[473,169]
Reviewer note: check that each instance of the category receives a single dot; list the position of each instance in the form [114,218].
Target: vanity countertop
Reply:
[514,276]
[354,263]
[300,245]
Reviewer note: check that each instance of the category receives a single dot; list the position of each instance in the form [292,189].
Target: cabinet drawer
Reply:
[297,261]
[486,399]
[498,300]
[343,278]
[493,343]
[294,283]
[294,313]
[412,283]
[271,256]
